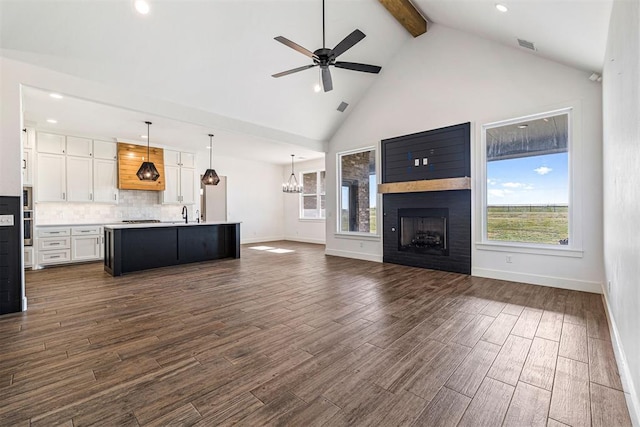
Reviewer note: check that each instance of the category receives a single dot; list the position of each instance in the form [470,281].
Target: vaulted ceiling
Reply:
[218,56]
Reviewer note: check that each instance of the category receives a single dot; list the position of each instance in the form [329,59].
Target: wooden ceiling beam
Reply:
[406,14]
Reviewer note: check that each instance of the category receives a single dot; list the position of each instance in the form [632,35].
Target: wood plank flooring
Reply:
[301,338]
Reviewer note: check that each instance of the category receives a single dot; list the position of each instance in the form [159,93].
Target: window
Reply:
[357,194]
[528,180]
[312,198]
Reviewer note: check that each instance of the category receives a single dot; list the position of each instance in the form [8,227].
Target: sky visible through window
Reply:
[535,180]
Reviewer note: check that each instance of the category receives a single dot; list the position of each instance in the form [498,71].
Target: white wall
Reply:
[621,154]
[446,77]
[254,195]
[296,229]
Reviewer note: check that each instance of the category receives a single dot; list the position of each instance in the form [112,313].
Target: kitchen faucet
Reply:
[185,215]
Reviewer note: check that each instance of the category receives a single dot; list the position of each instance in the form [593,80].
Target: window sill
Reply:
[358,236]
[530,249]
[311,219]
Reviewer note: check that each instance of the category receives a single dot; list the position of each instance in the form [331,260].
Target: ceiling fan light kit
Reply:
[324,57]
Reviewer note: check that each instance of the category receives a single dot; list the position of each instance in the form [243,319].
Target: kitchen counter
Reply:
[135,247]
[120,226]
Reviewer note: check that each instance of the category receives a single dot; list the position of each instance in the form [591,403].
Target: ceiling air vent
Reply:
[526,44]
[343,106]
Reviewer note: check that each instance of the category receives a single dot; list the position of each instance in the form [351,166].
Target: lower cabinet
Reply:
[86,243]
[61,245]
[28,257]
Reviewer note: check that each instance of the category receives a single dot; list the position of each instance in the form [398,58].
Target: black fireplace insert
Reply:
[423,231]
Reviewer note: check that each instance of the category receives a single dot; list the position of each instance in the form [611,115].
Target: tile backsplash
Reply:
[133,204]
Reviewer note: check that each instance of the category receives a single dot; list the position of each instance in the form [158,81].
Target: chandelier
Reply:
[292,185]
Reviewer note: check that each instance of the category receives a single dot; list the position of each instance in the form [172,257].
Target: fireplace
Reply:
[423,231]
[426,197]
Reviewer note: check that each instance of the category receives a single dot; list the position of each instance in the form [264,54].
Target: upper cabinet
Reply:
[79,147]
[51,143]
[28,157]
[130,157]
[68,171]
[181,177]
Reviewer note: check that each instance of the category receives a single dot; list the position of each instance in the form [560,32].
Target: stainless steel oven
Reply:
[27,213]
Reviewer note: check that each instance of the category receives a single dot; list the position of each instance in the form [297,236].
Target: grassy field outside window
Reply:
[540,224]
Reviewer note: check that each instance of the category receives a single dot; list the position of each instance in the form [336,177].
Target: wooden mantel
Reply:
[426,185]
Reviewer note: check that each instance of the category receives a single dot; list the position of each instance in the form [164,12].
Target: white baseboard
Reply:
[305,240]
[244,241]
[535,279]
[24,303]
[630,392]
[355,255]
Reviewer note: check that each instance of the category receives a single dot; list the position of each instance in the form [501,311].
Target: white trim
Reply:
[355,255]
[530,249]
[245,241]
[317,194]
[358,236]
[24,303]
[378,197]
[318,220]
[630,393]
[574,249]
[537,279]
[305,240]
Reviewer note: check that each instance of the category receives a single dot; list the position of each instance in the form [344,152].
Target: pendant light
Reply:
[148,171]
[292,185]
[210,177]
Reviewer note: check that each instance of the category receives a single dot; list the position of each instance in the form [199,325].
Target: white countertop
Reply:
[121,226]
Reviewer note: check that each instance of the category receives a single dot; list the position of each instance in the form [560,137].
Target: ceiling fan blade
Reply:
[295,70]
[348,42]
[295,46]
[327,84]
[366,68]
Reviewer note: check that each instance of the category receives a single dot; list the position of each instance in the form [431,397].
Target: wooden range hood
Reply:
[130,157]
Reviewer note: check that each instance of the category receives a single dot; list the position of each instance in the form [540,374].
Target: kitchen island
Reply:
[135,247]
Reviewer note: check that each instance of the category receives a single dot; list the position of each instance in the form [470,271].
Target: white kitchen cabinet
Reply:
[79,179]
[28,143]
[51,178]
[79,147]
[27,166]
[105,175]
[187,186]
[86,243]
[28,257]
[54,245]
[51,143]
[105,150]
[171,193]
[180,177]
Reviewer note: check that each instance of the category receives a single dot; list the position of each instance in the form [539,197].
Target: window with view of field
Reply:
[527,185]
[357,180]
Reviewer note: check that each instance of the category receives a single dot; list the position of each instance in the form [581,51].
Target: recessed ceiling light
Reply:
[56,95]
[143,136]
[208,146]
[52,121]
[142,6]
[316,88]
[501,7]
[522,126]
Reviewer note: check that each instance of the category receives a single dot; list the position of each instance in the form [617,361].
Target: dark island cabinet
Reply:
[129,249]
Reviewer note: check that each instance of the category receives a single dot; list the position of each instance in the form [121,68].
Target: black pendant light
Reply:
[148,171]
[292,185]
[210,177]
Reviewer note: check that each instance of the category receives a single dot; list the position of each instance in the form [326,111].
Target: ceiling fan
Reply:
[324,57]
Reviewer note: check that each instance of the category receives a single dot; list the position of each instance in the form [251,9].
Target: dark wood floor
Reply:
[304,339]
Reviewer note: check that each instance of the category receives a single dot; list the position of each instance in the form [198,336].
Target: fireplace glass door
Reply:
[424,231]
